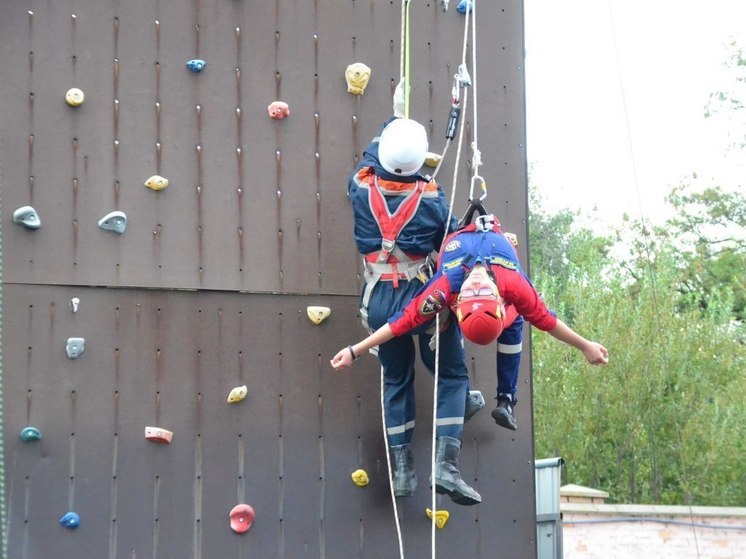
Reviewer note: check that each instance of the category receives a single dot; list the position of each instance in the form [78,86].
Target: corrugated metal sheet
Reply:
[208,286]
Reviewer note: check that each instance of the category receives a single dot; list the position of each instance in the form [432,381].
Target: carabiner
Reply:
[482,185]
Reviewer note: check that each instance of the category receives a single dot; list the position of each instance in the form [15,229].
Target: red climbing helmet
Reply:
[480,312]
[403,147]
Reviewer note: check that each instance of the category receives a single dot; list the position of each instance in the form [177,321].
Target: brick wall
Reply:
[592,531]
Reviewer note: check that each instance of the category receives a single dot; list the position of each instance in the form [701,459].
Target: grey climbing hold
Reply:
[27,216]
[30,434]
[114,221]
[74,347]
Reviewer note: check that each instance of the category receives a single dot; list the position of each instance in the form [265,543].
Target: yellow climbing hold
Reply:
[441,517]
[74,97]
[432,159]
[512,237]
[237,394]
[357,76]
[318,314]
[360,478]
[156,182]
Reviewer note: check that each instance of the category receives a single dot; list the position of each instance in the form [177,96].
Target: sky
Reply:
[615,101]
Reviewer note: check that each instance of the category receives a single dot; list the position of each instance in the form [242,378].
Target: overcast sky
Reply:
[616,91]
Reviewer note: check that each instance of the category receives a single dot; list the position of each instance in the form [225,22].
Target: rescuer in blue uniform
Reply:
[400,219]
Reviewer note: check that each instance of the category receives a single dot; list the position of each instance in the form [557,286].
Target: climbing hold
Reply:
[237,394]
[114,221]
[74,97]
[74,347]
[445,5]
[360,478]
[75,303]
[156,182]
[30,434]
[318,314]
[465,5]
[241,517]
[27,217]
[196,65]
[158,435]
[70,520]
[278,110]
[433,159]
[357,76]
[441,517]
[512,237]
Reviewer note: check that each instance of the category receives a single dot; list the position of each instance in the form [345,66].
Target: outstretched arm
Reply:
[346,356]
[595,353]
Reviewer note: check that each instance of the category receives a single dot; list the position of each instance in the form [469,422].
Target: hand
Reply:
[596,354]
[399,99]
[342,359]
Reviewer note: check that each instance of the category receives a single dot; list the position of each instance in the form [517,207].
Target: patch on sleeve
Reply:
[453,245]
[433,303]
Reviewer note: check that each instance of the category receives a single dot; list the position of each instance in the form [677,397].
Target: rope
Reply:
[436,373]
[645,234]
[406,60]
[388,465]
[3,511]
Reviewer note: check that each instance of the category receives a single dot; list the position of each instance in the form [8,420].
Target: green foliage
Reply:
[664,421]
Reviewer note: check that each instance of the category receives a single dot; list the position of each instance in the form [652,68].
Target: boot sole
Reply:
[503,419]
[455,496]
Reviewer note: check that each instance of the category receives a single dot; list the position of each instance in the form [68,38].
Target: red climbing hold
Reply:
[242,517]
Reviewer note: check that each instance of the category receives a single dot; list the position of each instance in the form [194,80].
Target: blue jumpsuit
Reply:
[461,252]
[421,236]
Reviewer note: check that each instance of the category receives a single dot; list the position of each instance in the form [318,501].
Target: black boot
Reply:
[474,403]
[405,478]
[503,413]
[447,477]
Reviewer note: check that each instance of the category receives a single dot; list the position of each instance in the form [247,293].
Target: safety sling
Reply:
[390,263]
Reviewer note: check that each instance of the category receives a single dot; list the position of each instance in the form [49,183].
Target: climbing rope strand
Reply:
[388,465]
[406,60]
[434,436]
[477,157]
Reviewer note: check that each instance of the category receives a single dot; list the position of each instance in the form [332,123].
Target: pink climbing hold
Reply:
[158,435]
[278,110]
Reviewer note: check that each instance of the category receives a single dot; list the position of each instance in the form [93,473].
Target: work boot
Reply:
[447,477]
[503,413]
[405,478]
[474,403]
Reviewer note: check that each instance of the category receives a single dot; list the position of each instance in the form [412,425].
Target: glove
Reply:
[399,99]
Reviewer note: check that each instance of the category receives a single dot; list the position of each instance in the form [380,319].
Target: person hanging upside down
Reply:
[480,279]
[401,217]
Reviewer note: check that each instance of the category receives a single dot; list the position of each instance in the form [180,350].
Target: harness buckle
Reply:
[485,223]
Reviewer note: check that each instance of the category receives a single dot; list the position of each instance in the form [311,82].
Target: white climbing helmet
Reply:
[403,147]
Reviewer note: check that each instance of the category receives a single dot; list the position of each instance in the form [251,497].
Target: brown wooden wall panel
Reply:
[169,359]
[207,288]
[253,204]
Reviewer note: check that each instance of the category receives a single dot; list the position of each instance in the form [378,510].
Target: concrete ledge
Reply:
[652,510]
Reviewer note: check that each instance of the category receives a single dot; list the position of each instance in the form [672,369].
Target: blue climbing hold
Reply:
[465,5]
[70,520]
[30,434]
[196,65]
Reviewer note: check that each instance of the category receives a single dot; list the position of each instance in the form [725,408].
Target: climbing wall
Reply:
[129,307]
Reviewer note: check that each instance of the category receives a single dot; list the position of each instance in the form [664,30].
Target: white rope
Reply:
[388,465]
[402,44]
[477,156]
[437,317]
